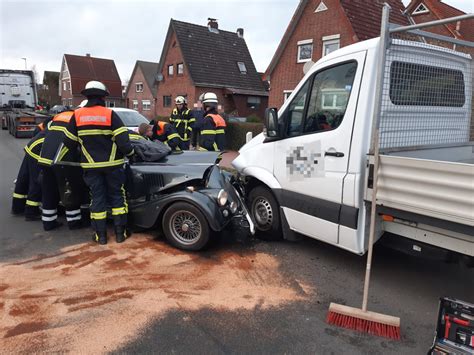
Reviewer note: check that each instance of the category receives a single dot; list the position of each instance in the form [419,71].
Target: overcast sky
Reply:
[43,30]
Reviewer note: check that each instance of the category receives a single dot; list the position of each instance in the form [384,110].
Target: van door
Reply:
[312,159]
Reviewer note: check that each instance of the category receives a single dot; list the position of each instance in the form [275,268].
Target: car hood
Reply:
[172,170]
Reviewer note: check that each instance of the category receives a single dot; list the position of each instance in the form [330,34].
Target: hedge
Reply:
[236,132]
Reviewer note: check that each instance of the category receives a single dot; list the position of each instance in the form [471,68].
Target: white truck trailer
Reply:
[18,99]
[311,171]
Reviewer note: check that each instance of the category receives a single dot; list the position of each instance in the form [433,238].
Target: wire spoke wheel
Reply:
[185,226]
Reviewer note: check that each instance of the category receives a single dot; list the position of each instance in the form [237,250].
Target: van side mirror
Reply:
[271,123]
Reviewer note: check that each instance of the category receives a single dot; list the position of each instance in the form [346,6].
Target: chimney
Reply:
[212,25]
[240,32]
[88,54]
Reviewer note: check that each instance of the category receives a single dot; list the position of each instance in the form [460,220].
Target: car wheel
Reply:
[265,213]
[185,227]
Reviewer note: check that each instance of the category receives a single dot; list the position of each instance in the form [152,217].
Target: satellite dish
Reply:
[159,77]
[307,66]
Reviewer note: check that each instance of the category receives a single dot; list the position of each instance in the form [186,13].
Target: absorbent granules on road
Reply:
[91,299]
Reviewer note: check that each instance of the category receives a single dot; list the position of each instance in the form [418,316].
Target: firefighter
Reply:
[27,194]
[212,135]
[183,121]
[104,141]
[59,178]
[145,130]
[166,133]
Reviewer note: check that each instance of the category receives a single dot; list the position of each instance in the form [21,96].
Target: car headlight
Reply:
[233,207]
[222,197]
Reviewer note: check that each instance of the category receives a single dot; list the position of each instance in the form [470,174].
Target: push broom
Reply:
[355,318]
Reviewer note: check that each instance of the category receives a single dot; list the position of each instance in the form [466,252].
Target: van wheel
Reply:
[185,227]
[265,213]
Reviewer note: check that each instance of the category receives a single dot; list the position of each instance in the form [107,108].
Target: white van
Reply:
[310,171]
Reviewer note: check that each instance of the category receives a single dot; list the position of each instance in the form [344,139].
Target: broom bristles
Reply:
[363,324]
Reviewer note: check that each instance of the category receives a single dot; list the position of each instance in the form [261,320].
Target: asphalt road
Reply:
[59,292]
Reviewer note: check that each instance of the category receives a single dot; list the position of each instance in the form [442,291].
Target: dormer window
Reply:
[242,67]
[421,9]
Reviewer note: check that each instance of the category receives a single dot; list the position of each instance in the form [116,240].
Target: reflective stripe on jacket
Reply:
[213,133]
[53,139]
[166,133]
[102,137]
[183,122]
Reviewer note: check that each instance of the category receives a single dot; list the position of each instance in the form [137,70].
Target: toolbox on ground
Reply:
[455,328]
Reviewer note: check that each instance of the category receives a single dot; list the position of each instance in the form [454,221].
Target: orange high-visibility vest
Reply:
[218,120]
[93,116]
[63,116]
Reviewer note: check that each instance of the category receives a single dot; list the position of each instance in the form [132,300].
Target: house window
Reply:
[135,104]
[68,85]
[180,68]
[330,44]
[109,103]
[64,86]
[146,105]
[286,94]
[253,102]
[421,9]
[242,67]
[170,70]
[70,103]
[305,50]
[139,87]
[166,101]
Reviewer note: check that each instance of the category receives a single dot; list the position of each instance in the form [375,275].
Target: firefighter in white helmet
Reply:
[183,120]
[104,141]
[213,127]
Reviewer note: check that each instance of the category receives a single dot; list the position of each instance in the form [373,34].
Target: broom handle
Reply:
[372,222]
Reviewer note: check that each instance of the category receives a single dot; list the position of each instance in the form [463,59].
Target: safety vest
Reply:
[213,135]
[164,132]
[97,137]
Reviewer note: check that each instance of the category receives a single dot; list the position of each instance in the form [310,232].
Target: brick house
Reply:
[196,59]
[141,91]
[77,70]
[319,27]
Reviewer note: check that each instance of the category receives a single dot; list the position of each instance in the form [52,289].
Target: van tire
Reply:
[265,213]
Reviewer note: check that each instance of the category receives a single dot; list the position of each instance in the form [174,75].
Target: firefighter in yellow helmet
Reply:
[104,141]
[183,121]
[212,135]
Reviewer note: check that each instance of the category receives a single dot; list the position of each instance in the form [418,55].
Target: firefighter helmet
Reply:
[209,97]
[180,100]
[95,88]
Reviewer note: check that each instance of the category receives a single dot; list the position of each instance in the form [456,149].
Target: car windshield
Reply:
[131,118]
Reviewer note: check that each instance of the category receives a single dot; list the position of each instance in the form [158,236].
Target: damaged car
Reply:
[185,195]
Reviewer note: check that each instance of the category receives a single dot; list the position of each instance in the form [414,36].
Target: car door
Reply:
[312,158]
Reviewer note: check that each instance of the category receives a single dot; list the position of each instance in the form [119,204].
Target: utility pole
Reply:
[25,63]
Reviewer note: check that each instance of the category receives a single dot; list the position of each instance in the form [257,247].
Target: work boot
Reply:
[100,237]
[50,225]
[121,234]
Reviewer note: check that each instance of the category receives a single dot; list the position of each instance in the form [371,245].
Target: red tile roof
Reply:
[365,16]
[442,11]
[85,68]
